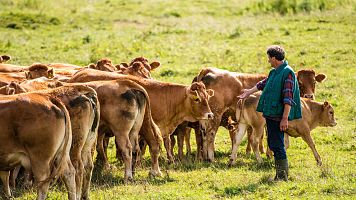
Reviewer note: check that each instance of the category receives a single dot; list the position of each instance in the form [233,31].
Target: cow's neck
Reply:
[168,105]
[315,111]
[250,80]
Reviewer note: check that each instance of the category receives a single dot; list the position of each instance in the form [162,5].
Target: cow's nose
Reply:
[309,96]
[210,115]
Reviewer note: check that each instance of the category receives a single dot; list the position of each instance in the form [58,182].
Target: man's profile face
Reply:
[271,60]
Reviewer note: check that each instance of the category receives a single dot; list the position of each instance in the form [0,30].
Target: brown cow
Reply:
[9,67]
[125,106]
[37,70]
[83,108]
[7,78]
[314,114]
[4,58]
[43,132]
[171,103]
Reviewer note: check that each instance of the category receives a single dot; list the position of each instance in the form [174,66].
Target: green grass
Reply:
[186,36]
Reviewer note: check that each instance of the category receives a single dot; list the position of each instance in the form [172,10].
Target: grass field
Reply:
[186,36]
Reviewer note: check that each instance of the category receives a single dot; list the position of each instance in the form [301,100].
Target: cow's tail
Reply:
[148,122]
[57,163]
[93,99]
[201,74]
[239,110]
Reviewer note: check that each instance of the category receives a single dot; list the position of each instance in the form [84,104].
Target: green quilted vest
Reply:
[271,101]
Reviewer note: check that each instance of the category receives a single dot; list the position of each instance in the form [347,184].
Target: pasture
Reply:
[186,36]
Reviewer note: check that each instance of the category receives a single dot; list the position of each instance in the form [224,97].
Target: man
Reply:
[279,103]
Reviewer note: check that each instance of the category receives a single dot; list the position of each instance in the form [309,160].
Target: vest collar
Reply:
[281,67]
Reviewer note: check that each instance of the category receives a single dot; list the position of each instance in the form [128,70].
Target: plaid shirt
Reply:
[287,93]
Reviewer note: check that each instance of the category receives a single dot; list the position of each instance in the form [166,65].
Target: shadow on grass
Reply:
[243,189]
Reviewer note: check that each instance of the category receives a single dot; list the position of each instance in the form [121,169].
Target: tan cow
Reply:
[314,114]
[171,103]
[43,133]
[226,84]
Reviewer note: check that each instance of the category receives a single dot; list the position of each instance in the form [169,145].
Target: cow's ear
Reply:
[154,65]
[9,90]
[326,104]
[210,92]
[320,77]
[28,75]
[4,58]
[58,84]
[50,73]
[91,66]
[195,96]
[121,66]
[124,65]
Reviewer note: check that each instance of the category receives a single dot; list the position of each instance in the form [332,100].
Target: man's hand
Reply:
[284,124]
[245,94]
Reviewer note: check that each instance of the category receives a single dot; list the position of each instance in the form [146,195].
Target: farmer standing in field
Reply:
[279,103]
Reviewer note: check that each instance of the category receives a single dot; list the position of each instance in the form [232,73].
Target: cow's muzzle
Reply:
[309,96]
[209,115]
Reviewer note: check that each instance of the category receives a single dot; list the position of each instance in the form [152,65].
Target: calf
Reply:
[226,84]
[314,114]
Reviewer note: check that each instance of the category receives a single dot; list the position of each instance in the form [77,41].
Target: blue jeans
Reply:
[275,139]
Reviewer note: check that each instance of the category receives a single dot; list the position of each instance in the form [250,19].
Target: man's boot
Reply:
[281,170]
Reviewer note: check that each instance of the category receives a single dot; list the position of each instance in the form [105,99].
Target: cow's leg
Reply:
[237,141]
[143,144]
[286,140]
[101,157]
[173,143]
[154,147]
[249,140]
[212,127]
[13,175]
[309,140]
[180,139]
[76,159]
[187,141]
[260,144]
[167,145]
[41,172]
[125,146]
[256,135]
[199,142]
[134,136]
[69,178]
[5,176]
[88,170]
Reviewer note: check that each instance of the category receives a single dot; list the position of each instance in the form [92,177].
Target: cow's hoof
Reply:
[128,180]
[155,173]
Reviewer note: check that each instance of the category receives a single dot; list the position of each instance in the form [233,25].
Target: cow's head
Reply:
[327,116]
[197,101]
[136,69]
[12,88]
[307,80]
[105,64]
[39,70]
[145,63]
[4,58]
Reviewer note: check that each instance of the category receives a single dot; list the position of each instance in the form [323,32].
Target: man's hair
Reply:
[276,51]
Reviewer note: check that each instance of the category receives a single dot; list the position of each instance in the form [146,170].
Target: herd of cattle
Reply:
[54,116]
